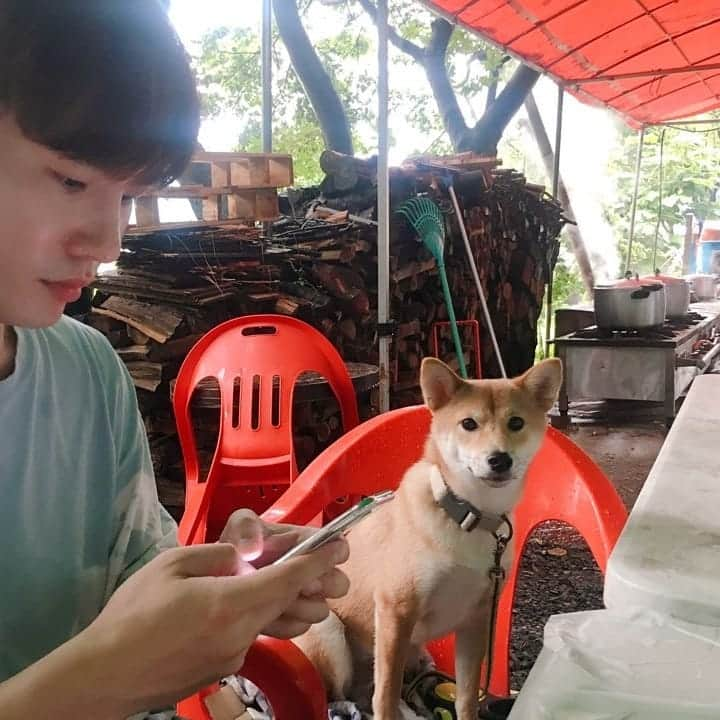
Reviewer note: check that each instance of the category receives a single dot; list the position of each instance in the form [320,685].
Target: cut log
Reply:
[155,321]
[346,170]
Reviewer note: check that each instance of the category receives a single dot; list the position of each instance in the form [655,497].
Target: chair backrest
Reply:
[372,457]
[255,361]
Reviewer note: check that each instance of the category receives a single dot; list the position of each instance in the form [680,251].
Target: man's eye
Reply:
[70,184]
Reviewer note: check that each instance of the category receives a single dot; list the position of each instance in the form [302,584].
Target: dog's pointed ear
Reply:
[438,383]
[543,382]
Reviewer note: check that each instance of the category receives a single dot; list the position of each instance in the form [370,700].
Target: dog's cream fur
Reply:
[415,575]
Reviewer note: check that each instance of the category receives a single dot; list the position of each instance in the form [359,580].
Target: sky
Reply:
[589,133]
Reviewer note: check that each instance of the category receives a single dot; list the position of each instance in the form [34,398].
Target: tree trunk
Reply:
[315,80]
[578,244]
[485,136]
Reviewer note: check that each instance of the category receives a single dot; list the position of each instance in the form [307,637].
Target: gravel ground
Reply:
[558,574]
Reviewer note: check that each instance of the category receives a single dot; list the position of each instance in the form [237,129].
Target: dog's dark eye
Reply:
[469,424]
[516,423]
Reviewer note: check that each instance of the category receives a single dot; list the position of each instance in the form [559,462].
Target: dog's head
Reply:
[487,431]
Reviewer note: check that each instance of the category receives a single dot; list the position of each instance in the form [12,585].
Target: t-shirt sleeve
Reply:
[142,526]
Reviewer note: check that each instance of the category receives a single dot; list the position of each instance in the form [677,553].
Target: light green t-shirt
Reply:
[79,511]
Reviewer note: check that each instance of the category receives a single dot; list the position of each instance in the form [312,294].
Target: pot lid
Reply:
[634,283]
[664,279]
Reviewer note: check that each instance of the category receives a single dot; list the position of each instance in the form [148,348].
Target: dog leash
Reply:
[468,517]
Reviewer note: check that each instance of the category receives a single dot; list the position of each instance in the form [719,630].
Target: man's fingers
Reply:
[209,560]
[277,544]
[244,530]
[275,587]
[307,610]
[286,629]
[335,584]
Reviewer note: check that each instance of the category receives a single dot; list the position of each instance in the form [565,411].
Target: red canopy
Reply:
[651,60]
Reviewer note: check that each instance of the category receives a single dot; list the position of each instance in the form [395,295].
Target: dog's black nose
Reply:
[500,462]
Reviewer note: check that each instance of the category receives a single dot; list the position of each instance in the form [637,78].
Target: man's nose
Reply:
[98,240]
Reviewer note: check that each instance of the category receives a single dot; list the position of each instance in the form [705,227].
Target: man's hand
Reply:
[189,616]
[258,544]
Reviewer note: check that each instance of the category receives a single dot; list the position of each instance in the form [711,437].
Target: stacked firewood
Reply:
[169,287]
[514,230]
[319,264]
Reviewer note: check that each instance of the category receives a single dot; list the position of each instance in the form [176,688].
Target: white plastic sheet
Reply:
[601,665]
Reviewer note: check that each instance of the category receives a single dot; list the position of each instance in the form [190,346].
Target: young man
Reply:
[97,103]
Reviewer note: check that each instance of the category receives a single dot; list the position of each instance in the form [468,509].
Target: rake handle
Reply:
[453,321]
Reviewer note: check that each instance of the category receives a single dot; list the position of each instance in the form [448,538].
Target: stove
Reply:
[654,365]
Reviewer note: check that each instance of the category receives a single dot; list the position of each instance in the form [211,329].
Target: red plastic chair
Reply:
[563,484]
[255,360]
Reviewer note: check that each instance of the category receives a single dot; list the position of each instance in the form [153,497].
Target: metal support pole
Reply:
[555,187]
[633,207]
[266,58]
[558,140]
[688,244]
[383,206]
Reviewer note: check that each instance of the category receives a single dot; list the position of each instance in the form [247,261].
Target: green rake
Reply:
[427,221]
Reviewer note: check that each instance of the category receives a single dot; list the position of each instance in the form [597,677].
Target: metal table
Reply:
[655,367]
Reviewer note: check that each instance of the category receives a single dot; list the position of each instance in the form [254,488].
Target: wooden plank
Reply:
[195,191]
[146,230]
[133,352]
[156,321]
[145,375]
[280,171]
[205,156]
[266,204]
[250,172]
[219,174]
[243,204]
[146,210]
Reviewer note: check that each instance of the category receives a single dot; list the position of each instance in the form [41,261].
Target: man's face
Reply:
[60,220]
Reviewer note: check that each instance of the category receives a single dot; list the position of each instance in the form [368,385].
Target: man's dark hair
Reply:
[104,82]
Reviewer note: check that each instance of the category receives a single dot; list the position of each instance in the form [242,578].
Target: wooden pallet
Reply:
[243,187]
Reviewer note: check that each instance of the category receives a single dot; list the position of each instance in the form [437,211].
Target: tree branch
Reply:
[314,78]
[483,138]
[413,50]
[435,65]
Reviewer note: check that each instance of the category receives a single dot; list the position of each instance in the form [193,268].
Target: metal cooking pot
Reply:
[629,305]
[677,293]
[703,285]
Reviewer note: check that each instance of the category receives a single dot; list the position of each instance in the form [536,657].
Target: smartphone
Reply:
[337,527]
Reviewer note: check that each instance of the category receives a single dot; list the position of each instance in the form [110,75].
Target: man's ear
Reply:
[543,382]
[437,382]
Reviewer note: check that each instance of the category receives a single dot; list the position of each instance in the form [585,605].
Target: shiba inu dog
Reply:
[420,567]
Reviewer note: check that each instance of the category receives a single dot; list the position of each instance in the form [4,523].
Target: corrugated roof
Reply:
[650,60]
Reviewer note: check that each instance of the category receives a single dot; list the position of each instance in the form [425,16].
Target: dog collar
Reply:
[463,512]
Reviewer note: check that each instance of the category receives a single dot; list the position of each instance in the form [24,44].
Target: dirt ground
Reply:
[558,574]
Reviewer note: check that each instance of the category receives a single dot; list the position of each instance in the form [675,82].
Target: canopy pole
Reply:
[555,187]
[267,94]
[633,208]
[266,59]
[383,207]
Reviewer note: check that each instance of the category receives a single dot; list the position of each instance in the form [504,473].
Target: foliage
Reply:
[691,159]
[343,35]
[229,73]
